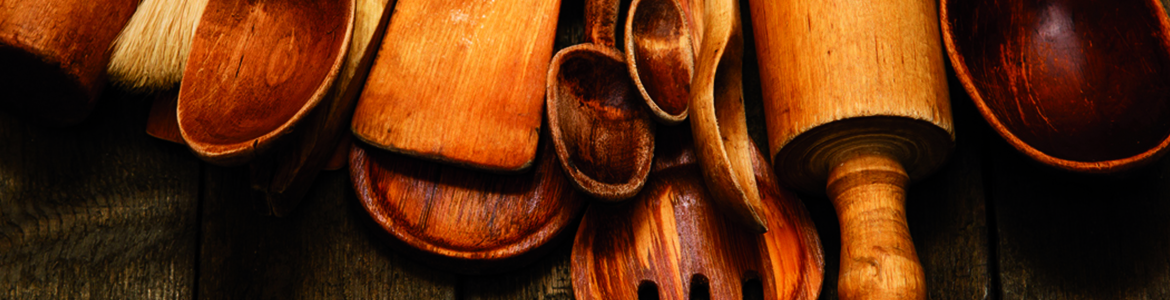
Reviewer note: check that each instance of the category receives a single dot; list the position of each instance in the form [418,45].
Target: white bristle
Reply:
[151,51]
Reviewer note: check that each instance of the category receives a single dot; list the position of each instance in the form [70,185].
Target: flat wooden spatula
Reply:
[461,82]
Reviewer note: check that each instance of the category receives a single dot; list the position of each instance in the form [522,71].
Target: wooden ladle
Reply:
[1080,85]
[465,220]
[661,58]
[257,68]
[672,236]
[602,134]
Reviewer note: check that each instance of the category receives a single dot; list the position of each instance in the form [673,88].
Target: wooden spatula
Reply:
[672,238]
[461,82]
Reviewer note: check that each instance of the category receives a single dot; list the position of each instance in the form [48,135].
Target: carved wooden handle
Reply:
[601,18]
[878,260]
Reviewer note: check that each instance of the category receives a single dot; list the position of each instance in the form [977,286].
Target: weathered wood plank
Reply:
[1064,235]
[547,278]
[328,247]
[99,210]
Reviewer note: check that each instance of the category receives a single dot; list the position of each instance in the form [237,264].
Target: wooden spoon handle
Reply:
[878,260]
[601,18]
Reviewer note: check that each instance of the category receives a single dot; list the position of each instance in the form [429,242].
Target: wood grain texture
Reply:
[97,210]
[1080,85]
[660,52]
[255,70]
[464,220]
[161,122]
[54,55]
[720,123]
[461,82]
[326,248]
[673,239]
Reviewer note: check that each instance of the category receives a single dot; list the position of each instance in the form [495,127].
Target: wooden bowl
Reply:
[672,238]
[1080,85]
[661,57]
[603,135]
[464,220]
[255,70]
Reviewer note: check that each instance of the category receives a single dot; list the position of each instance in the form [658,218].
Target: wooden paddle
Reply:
[53,55]
[672,238]
[464,220]
[1079,85]
[461,82]
[856,104]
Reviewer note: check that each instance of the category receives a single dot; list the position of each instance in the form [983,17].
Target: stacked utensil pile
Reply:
[646,145]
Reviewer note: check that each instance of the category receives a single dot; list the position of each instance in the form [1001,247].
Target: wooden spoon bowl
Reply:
[603,136]
[661,57]
[465,220]
[1080,85]
[255,70]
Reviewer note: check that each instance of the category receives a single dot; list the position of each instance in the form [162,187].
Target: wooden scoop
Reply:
[672,237]
[1080,85]
[465,220]
[53,55]
[603,136]
[719,122]
[857,105]
[255,70]
[461,82]
[661,58]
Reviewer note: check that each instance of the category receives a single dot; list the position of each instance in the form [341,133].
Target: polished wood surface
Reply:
[660,51]
[466,220]
[54,55]
[1081,85]
[461,82]
[672,238]
[255,70]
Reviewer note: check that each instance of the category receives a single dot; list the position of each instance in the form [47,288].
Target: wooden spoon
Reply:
[53,55]
[857,106]
[673,237]
[661,58]
[1080,85]
[465,220]
[603,136]
[461,82]
[255,70]
[719,122]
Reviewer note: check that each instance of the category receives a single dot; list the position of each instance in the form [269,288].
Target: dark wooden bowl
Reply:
[464,220]
[674,238]
[255,70]
[603,135]
[53,56]
[661,57]
[1080,85]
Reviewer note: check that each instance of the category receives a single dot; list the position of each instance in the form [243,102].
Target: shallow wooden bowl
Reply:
[1080,85]
[464,220]
[255,70]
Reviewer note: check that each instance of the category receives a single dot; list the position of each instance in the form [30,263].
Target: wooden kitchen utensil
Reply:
[465,220]
[661,58]
[54,55]
[856,104]
[718,121]
[602,134]
[255,70]
[461,82]
[1080,85]
[672,238]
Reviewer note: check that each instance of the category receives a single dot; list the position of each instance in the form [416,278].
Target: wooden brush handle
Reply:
[878,260]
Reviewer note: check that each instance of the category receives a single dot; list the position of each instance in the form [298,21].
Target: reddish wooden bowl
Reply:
[1080,85]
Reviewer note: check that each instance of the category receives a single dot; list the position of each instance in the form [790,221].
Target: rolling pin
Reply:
[857,106]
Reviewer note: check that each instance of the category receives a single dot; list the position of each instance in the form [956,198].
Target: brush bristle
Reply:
[151,52]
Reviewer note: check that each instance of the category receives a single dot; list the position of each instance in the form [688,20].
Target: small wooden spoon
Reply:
[465,220]
[53,55]
[718,120]
[255,70]
[671,235]
[1080,85]
[604,138]
[660,53]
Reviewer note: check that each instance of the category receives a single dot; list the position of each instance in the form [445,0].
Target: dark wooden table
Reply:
[101,210]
